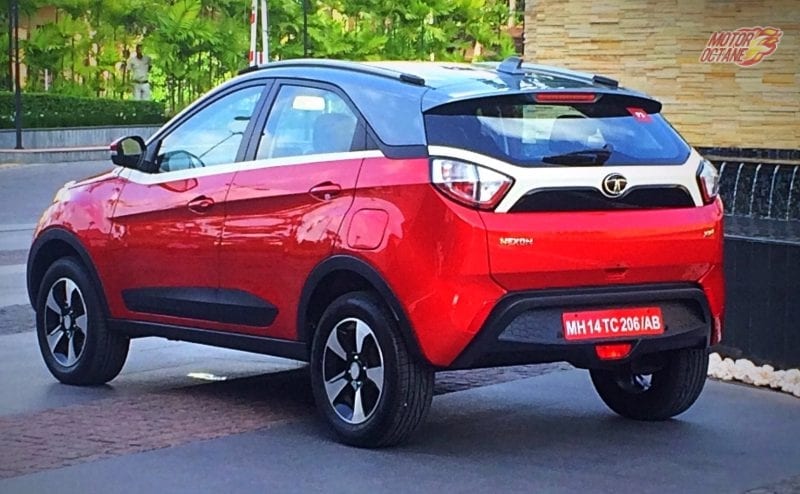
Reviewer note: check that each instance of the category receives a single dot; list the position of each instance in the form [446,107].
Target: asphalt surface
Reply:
[28,189]
[543,434]
[188,418]
[25,191]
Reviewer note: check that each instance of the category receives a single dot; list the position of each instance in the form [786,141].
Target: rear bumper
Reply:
[526,327]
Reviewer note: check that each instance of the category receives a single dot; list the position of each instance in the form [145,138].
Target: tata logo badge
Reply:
[614,185]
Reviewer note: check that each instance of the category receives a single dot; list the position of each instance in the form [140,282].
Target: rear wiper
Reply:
[584,157]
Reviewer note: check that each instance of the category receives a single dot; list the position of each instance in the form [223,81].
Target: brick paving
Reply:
[111,427]
[451,381]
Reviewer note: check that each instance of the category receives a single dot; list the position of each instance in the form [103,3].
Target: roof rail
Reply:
[515,66]
[342,65]
[249,68]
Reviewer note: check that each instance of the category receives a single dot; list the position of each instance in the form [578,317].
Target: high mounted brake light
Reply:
[565,97]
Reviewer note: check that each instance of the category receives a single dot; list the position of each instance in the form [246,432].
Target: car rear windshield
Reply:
[611,131]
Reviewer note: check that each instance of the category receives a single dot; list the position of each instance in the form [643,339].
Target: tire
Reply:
[665,394]
[390,411]
[73,337]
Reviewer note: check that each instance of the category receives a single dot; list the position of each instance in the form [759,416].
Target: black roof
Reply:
[456,79]
[394,91]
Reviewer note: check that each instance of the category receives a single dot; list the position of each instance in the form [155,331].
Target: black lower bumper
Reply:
[526,327]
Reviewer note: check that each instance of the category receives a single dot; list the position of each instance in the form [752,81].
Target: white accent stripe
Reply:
[528,179]
[160,178]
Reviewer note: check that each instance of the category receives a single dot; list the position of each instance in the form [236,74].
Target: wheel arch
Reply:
[53,244]
[341,274]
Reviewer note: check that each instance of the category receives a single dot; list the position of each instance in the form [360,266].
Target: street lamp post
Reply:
[17,92]
[10,48]
[305,28]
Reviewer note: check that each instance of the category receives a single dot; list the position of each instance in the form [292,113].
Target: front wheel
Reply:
[366,385]
[657,396]
[75,343]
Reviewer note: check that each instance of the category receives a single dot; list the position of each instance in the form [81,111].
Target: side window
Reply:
[306,120]
[212,135]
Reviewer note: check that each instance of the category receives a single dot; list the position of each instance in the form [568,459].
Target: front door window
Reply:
[211,136]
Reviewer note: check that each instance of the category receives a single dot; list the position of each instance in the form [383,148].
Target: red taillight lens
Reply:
[614,351]
[469,184]
[565,97]
[708,180]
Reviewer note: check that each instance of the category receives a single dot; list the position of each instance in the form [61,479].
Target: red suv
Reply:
[383,221]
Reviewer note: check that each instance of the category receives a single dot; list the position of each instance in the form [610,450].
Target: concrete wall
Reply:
[655,46]
[72,137]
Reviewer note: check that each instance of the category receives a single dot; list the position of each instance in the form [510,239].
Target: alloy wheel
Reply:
[65,322]
[352,370]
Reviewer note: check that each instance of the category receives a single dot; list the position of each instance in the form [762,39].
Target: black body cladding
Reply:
[206,304]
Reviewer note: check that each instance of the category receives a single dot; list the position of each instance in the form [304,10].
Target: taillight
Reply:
[469,184]
[708,180]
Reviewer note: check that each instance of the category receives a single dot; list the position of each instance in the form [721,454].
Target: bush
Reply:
[54,110]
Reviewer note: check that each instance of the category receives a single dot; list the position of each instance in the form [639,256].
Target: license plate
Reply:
[613,323]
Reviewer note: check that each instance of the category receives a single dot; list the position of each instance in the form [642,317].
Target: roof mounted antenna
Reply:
[511,65]
[600,80]
[515,66]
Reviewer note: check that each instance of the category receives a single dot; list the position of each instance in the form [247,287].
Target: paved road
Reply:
[162,427]
[25,190]
[155,364]
[544,434]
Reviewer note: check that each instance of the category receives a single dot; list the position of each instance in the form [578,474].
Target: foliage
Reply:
[53,110]
[195,44]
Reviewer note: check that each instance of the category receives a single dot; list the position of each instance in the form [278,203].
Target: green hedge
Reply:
[55,110]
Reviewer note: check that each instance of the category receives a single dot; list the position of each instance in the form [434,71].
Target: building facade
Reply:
[727,71]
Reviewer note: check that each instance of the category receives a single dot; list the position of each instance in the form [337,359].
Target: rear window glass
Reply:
[612,131]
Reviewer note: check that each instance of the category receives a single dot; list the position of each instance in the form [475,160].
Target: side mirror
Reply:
[128,151]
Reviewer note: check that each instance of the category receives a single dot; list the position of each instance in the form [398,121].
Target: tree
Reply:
[195,44]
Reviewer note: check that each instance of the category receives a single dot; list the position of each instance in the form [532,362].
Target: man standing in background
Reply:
[139,67]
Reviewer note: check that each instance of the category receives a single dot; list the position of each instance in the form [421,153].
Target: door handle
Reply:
[201,204]
[325,191]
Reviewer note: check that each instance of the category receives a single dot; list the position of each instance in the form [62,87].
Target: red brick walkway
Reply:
[118,426]
[111,427]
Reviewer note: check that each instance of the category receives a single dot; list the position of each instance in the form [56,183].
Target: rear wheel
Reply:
[366,385]
[658,396]
[71,328]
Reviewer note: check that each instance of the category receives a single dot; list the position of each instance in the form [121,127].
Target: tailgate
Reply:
[566,249]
